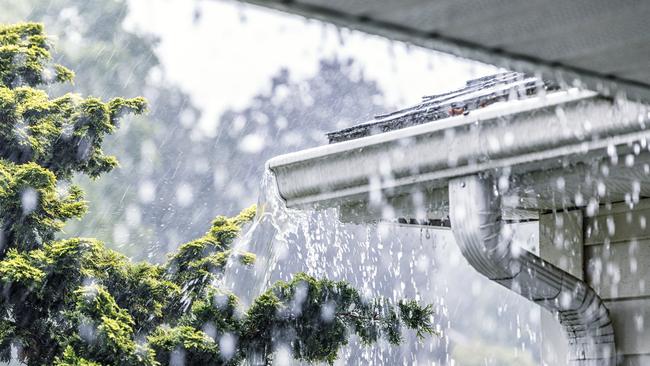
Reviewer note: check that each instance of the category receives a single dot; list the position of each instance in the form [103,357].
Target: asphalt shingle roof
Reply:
[477,93]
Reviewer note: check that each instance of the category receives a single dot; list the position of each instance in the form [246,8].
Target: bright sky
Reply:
[233,50]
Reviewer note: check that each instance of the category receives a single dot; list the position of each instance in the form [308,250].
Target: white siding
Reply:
[619,270]
[631,325]
[617,266]
[560,242]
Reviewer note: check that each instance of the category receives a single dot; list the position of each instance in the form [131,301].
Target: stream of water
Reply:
[268,237]
[379,260]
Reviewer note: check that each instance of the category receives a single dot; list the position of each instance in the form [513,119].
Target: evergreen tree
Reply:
[111,61]
[75,302]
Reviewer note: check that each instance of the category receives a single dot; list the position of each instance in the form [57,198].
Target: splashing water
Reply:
[379,260]
[267,238]
[286,241]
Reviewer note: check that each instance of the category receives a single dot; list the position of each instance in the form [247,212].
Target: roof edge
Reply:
[607,85]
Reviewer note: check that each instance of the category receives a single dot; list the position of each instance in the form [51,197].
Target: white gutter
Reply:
[452,164]
[526,135]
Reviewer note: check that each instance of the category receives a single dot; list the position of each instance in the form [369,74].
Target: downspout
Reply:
[475,215]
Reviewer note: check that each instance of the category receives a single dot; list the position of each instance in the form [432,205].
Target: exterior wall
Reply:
[560,242]
[617,266]
[615,261]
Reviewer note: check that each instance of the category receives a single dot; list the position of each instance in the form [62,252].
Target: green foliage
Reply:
[200,262]
[70,358]
[313,317]
[105,330]
[75,302]
[25,57]
[63,134]
[416,317]
[7,333]
[192,344]
[33,208]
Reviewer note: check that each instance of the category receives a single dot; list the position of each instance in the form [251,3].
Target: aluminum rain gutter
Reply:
[536,134]
[476,221]
[444,173]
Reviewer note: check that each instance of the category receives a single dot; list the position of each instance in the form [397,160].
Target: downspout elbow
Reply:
[475,215]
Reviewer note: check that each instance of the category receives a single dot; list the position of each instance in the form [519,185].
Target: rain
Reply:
[387,146]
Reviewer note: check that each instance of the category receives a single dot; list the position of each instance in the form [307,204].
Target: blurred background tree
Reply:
[173,178]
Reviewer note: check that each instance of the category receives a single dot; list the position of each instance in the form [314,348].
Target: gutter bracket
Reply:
[476,222]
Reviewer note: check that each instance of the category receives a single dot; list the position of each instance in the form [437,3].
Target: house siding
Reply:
[617,266]
[611,251]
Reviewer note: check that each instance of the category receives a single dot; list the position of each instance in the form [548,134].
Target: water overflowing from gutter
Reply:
[268,237]
[379,260]
[286,241]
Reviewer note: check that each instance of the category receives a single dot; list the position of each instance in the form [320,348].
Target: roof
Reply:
[603,43]
[477,93]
